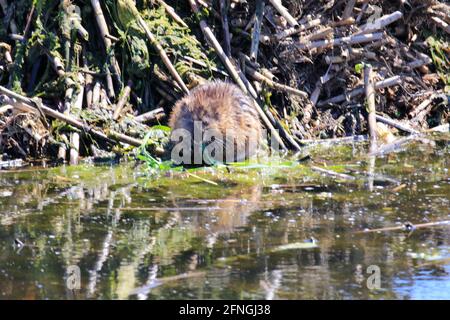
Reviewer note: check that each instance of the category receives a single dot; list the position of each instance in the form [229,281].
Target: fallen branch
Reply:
[225,27]
[112,135]
[284,12]
[103,27]
[332,173]
[274,85]
[396,124]
[165,59]
[173,14]
[151,115]
[360,91]
[370,99]
[441,24]
[123,99]
[350,40]
[257,30]
[381,23]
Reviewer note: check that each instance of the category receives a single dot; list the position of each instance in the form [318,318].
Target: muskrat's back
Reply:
[224,109]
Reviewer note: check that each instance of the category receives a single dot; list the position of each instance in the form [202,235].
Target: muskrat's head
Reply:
[216,122]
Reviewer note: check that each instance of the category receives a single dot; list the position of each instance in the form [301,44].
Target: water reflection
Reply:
[180,237]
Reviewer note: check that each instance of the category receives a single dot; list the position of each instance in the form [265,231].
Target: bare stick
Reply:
[151,115]
[425,103]
[350,40]
[348,11]
[209,35]
[74,122]
[225,27]
[332,173]
[173,14]
[423,61]
[294,30]
[396,124]
[441,24]
[75,136]
[363,11]
[380,23]
[370,98]
[74,148]
[103,27]
[274,85]
[88,82]
[360,91]
[165,59]
[284,12]
[123,99]
[334,141]
[257,30]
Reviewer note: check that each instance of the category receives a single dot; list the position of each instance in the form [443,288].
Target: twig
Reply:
[151,115]
[332,173]
[103,27]
[348,11]
[360,91]
[75,136]
[441,24]
[123,99]
[74,122]
[381,23]
[173,14]
[333,141]
[370,98]
[225,27]
[425,103]
[257,30]
[284,12]
[294,30]
[350,40]
[165,59]
[278,86]
[396,124]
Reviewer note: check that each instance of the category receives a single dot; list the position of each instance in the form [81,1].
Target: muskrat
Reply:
[219,122]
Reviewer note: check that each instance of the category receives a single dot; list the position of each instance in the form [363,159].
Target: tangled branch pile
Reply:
[88,77]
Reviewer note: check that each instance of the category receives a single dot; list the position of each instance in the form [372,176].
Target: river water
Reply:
[283,230]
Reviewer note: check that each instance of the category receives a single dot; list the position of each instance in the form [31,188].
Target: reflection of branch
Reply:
[142,292]
[408,226]
[393,146]
[272,285]
[99,264]
[332,173]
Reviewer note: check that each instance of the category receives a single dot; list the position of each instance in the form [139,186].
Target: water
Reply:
[178,236]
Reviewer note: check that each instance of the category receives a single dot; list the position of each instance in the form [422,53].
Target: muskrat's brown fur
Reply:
[222,107]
